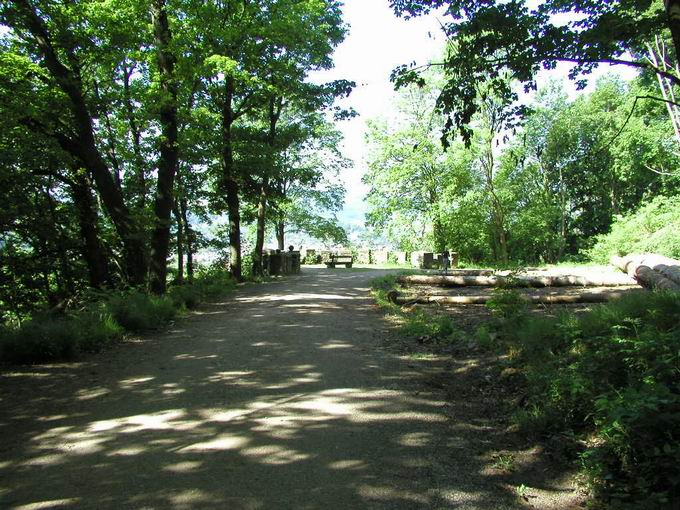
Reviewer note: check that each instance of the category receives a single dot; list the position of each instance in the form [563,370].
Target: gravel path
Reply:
[278,398]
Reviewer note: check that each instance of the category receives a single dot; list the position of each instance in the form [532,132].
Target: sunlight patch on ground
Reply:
[325,405]
[130,451]
[181,357]
[385,493]
[274,455]
[336,345]
[163,420]
[293,297]
[128,384]
[222,442]
[352,465]
[415,439]
[54,417]
[45,460]
[53,503]
[183,467]
[26,374]
[89,394]
[191,497]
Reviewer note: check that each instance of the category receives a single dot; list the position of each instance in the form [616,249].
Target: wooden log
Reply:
[586,297]
[651,271]
[518,281]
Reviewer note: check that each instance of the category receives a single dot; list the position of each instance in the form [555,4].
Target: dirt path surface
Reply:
[278,398]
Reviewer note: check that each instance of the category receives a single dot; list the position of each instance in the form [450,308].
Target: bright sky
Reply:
[378,42]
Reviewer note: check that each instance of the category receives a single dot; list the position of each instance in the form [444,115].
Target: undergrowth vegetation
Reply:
[607,380]
[609,377]
[414,322]
[650,229]
[103,318]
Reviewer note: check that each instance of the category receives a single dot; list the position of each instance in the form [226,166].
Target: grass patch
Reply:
[137,311]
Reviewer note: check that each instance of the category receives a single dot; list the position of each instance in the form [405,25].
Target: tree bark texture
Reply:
[180,244]
[229,182]
[275,107]
[673,14]
[280,234]
[167,163]
[94,253]
[189,237]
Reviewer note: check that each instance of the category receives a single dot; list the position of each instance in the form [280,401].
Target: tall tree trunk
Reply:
[167,164]
[94,253]
[261,224]
[673,13]
[180,244]
[65,286]
[140,177]
[230,184]
[275,107]
[84,146]
[281,233]
[189,237]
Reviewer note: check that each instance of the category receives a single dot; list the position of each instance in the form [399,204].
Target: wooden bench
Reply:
[339,259]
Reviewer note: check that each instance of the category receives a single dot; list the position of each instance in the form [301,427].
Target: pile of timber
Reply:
[488,278]
[584,297]
[651,271]
[614,280]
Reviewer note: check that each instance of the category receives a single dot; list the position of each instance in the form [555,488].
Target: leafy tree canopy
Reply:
[491,41]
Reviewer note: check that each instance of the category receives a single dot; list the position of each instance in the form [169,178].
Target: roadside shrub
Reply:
[42,338]
[97,329]
[185,296]
[613,376]
[46,337]
[652,228]
[415,323]
[104,319]
[214,282]
[137,311]
[433,329]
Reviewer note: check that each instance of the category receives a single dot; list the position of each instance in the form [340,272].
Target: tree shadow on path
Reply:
[277,398]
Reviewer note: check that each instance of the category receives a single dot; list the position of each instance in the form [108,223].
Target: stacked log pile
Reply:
[585,297]
[591,285]
[651,271]
[518,281]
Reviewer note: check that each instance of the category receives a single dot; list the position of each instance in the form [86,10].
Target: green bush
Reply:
[613,376]
[104,319]
[185,296]
[46,337]
[415,323]
[42,338]
[214,282]
[651,229]
[137,311]
[97,330]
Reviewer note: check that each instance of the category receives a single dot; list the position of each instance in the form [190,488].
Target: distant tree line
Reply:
[541,192]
